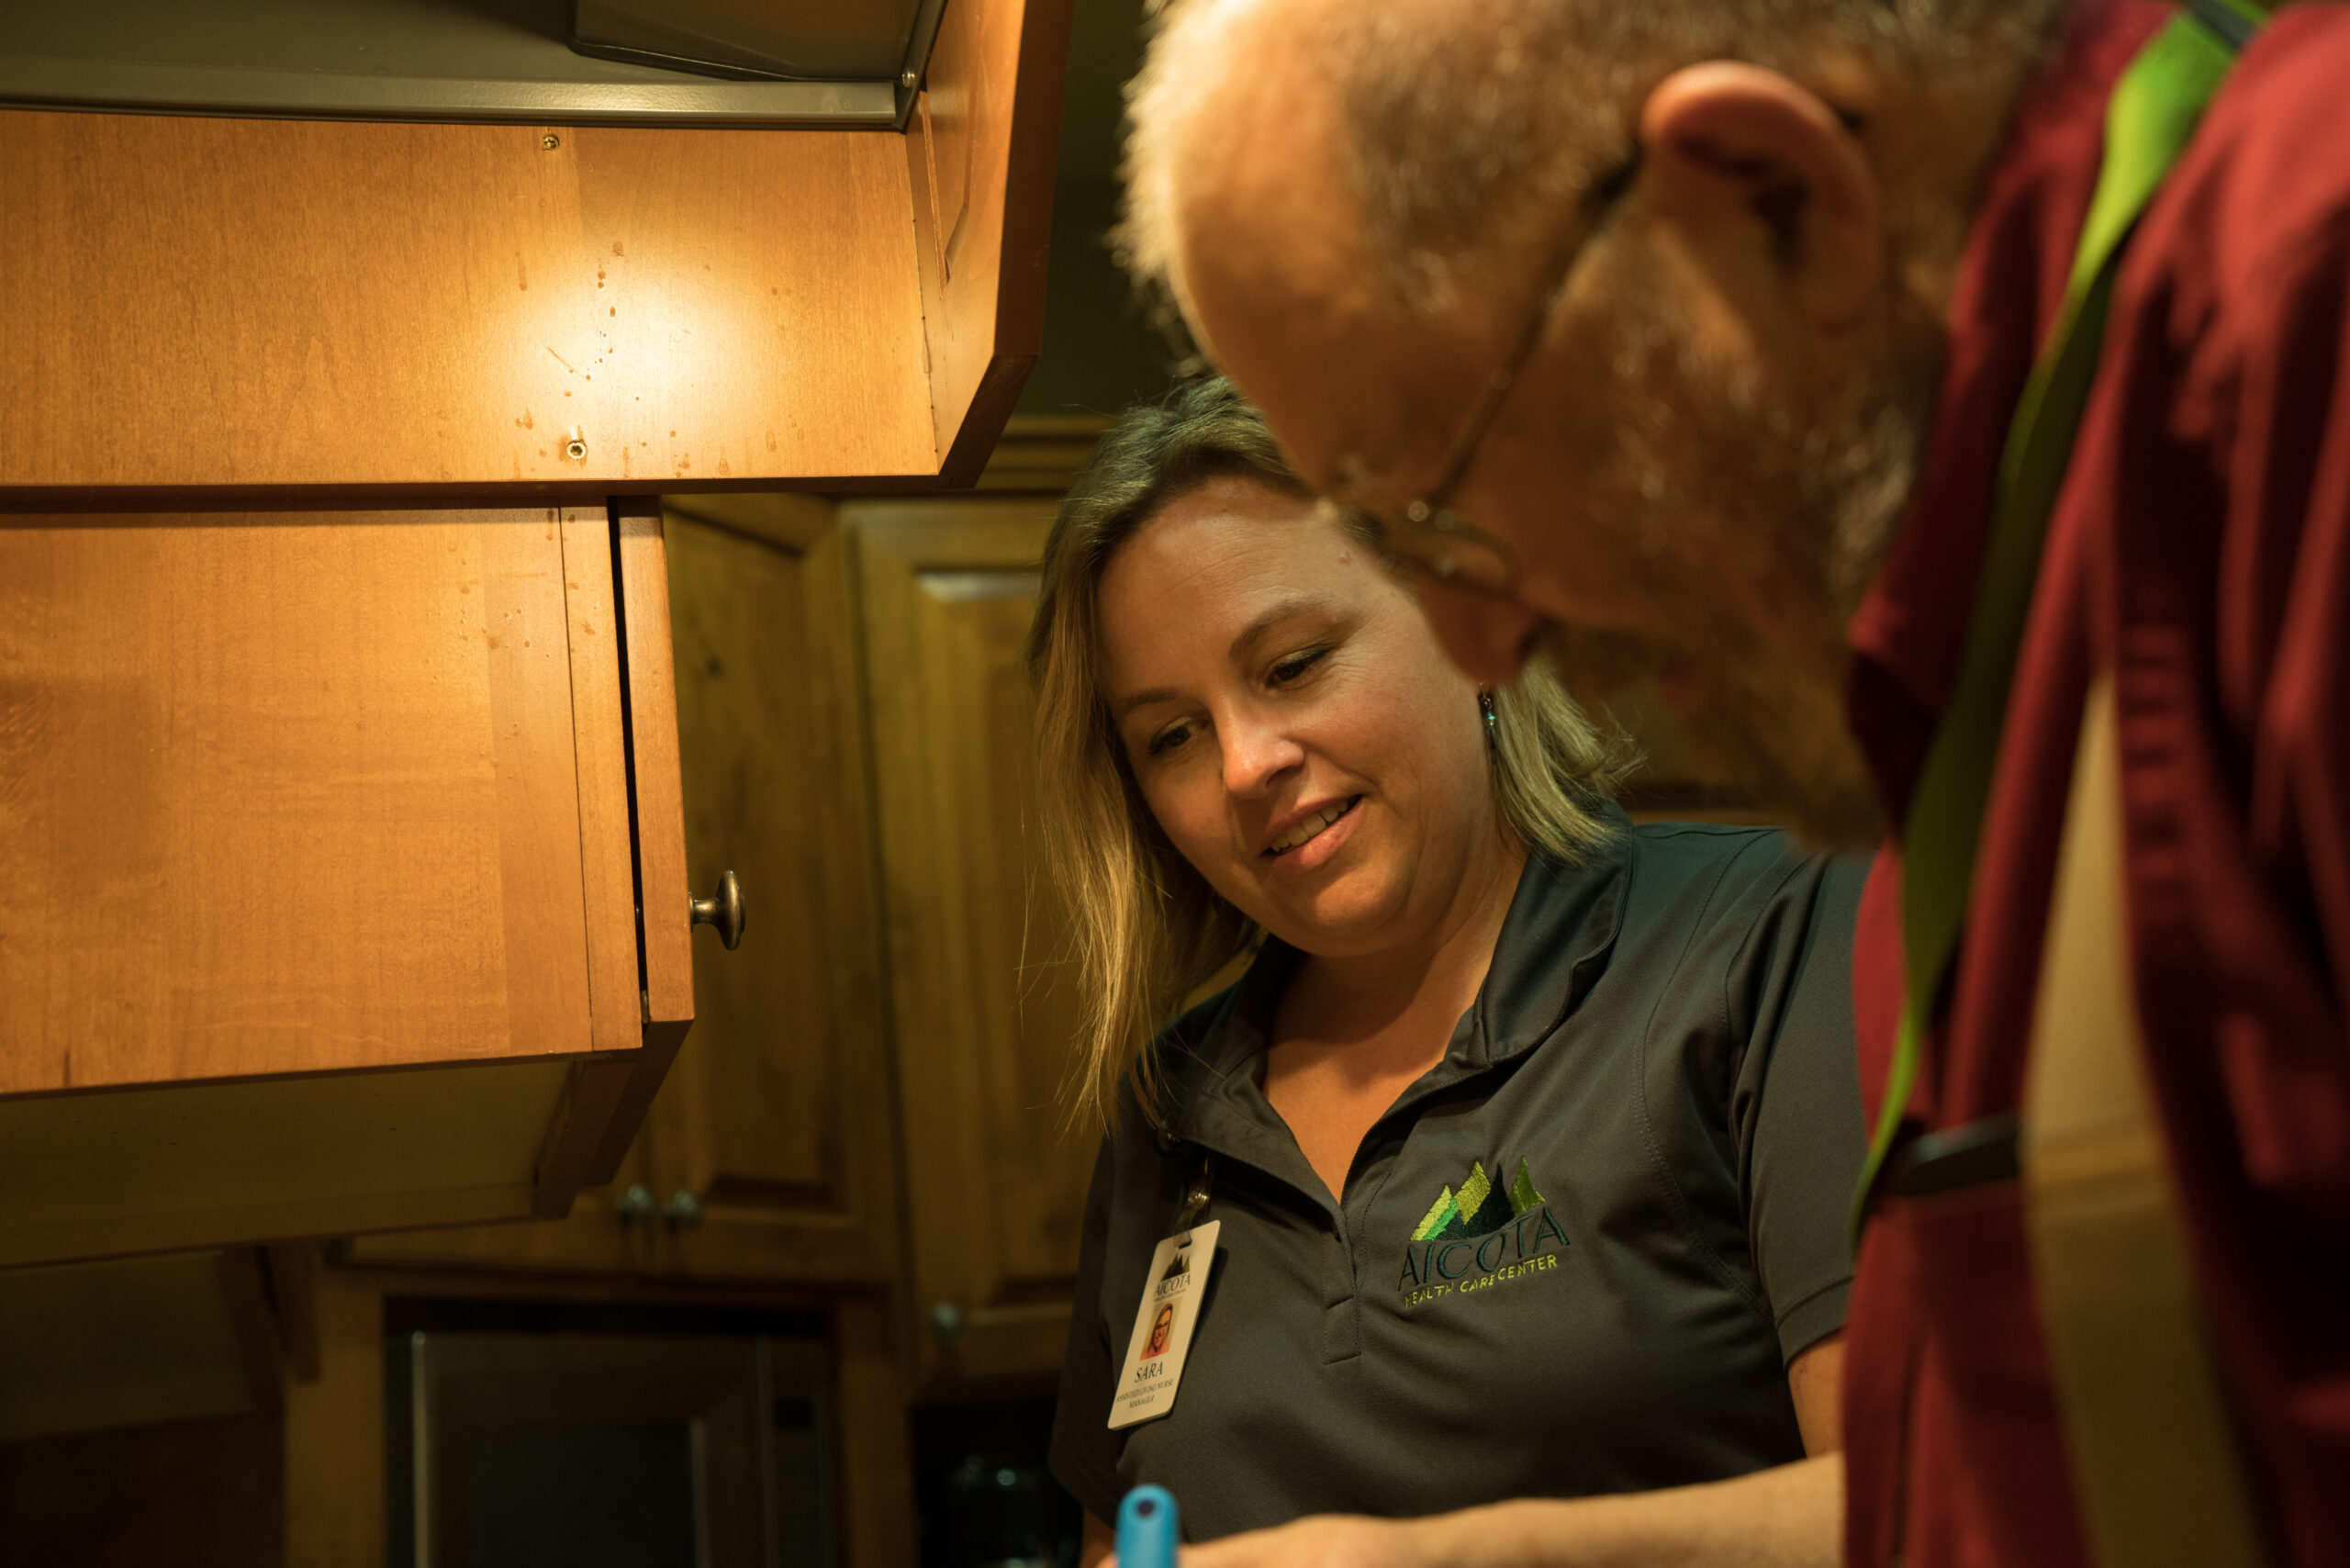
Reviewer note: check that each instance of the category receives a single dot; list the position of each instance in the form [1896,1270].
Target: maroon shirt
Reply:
[2200,551]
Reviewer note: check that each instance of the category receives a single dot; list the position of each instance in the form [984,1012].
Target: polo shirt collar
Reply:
[1554,944]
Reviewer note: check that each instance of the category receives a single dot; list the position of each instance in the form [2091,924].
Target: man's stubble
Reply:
[1759,507]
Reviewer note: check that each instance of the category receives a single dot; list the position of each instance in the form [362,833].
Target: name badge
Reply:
[1163,1325]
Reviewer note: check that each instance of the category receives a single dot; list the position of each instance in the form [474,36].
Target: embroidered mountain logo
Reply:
[1478,1237]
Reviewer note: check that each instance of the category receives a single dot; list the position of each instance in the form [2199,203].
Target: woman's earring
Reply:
[1485,706]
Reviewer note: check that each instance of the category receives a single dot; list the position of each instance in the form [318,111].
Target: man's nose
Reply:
[1489,638]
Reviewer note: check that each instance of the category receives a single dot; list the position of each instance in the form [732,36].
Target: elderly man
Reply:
[1947,404]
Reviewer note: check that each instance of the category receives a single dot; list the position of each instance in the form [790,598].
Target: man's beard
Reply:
[1763,511]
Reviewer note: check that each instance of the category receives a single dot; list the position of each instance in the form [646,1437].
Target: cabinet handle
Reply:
[723,910]
[946,1322]
[633,1205]
[683,1211]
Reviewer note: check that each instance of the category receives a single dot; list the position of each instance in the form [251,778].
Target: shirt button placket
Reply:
[1342,1303]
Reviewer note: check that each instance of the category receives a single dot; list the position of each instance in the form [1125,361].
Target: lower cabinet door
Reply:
[770,1146]
[983,1012]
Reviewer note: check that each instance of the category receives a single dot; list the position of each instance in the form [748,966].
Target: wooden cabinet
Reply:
[774,1132]
[980,993]
[324,834]
[870,1097]
[319,872]
[853,720]
[768,1153]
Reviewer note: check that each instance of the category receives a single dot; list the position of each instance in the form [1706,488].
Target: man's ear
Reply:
[1736,154]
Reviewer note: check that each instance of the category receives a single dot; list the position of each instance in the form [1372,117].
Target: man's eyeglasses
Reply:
[1430,539]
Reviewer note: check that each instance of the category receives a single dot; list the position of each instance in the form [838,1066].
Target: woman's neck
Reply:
[1359,997]
[1350,1034]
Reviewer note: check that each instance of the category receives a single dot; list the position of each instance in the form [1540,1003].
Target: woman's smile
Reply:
[1311,837]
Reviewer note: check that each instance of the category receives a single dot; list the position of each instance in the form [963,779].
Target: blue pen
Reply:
[1146,1529]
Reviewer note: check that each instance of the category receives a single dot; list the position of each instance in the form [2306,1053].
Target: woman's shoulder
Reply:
[1675,851]
[1706,843]
[1733,872]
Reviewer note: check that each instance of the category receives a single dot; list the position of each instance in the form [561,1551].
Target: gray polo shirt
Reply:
[1574,1257]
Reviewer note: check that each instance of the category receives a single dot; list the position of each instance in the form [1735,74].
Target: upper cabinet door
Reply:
[983,1008]
[287,802]
[770,1144]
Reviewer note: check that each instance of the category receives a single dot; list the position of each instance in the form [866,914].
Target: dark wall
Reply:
[1099,352]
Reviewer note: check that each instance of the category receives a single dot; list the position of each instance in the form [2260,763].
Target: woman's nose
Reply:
[1490,638]
[1256,753]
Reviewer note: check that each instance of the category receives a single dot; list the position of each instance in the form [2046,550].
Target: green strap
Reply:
[2153,110]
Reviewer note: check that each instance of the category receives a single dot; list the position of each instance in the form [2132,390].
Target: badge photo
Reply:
[1175,1285]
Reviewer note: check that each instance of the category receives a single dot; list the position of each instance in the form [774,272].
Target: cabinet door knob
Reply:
[633,1205]
[946,1322]
[683,1211]
[723,910]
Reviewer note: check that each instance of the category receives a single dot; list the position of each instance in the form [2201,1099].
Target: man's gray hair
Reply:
[1457,115]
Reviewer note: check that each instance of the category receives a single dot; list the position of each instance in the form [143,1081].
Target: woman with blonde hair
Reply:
[1516,1165]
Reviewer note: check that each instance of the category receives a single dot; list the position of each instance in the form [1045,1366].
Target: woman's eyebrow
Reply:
[1254,633]
[1144,698]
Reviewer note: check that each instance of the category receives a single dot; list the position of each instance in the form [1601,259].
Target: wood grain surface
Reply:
[982,997]
[985,146]
[287,794]
[209,1495]
[599,755]
[663,947]
[667,928]
[878,1518]
[127,1171]
[287,797]
[205,303]
[596,1110]
[777,1111]
[334,1436]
